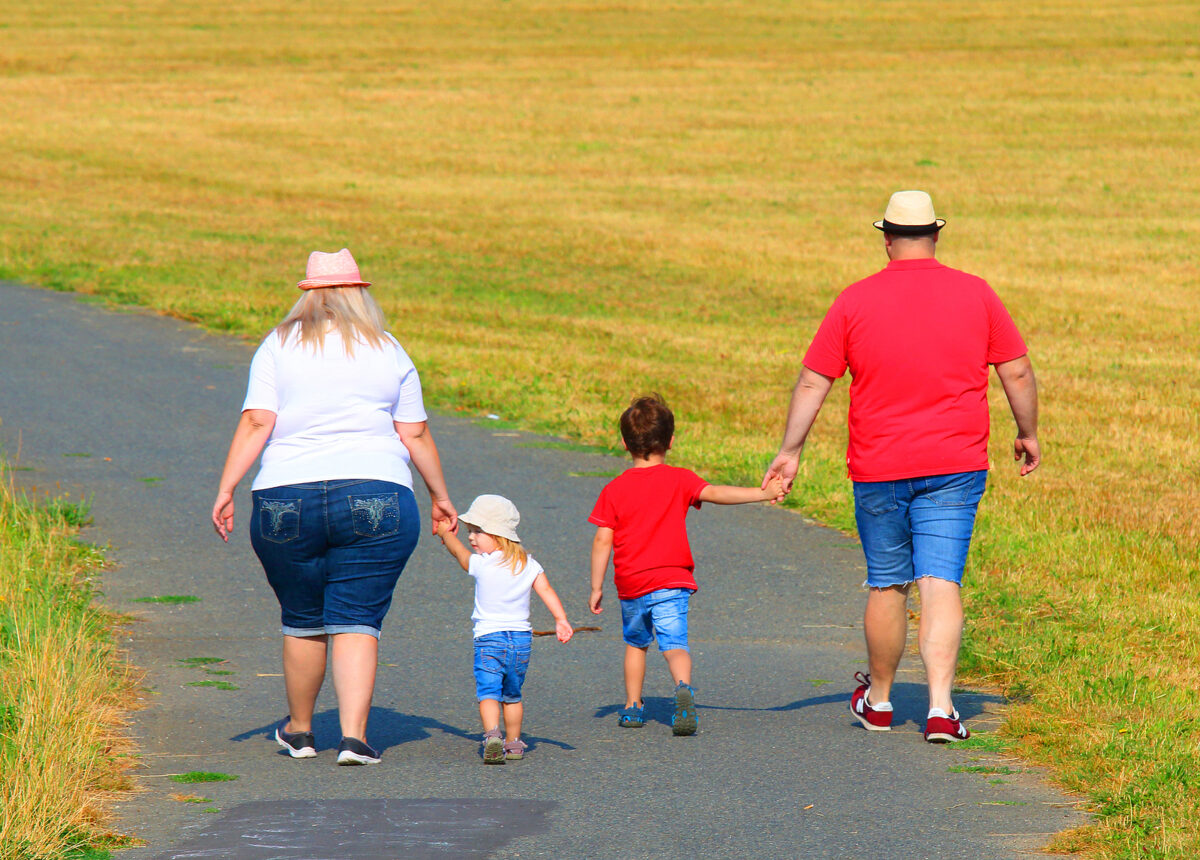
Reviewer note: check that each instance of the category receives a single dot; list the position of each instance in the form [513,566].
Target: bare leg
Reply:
[635,674]
[939,637]
[489,714]
[514,713]
[679,662]
[885,623]
[303,674]
[355,658]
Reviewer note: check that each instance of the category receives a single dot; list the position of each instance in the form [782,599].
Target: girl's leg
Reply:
[514,713]
[355,657]
[679,661]
[303,674]
[635,674]
[489,714]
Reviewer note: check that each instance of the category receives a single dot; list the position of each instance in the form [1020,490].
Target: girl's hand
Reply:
[222,514]
[564,630]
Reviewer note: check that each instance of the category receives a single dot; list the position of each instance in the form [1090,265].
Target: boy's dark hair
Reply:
[647,426]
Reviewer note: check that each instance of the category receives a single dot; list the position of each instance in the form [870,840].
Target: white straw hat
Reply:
[332,270]
[910,213]
[495,515]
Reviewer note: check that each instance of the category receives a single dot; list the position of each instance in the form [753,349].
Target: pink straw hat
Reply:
[332,270]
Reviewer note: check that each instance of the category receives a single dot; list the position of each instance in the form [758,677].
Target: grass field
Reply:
[562,204]
[64,688]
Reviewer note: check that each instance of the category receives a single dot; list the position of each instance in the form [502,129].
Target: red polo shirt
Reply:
[918,338]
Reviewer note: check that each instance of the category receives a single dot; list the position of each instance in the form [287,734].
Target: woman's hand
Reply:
[222,514]
[443,512]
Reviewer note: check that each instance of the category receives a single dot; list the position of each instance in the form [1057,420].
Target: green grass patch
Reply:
[169,599]
[217,685]
[152,479]
[200,661]
[986,741]
[77,454]
[982,768]
[598,473]
[198,776]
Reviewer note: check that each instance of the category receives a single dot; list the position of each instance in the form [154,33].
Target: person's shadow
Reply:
[389,728]
[907,699]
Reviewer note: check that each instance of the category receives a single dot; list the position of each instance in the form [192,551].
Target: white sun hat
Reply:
[910,213]
[495,515]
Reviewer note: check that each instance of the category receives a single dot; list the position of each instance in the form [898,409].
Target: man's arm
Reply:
[1020,387]
[601,550]
[807,397]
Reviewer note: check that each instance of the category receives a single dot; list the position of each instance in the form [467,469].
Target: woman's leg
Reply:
[355,657]
[303,674]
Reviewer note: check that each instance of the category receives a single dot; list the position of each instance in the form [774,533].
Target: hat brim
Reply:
[315,283]
[910,229]
[490,528]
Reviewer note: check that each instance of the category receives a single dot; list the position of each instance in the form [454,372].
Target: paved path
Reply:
[137,410]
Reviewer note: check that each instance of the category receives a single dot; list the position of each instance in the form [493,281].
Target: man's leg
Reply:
[885,624]
[939,637]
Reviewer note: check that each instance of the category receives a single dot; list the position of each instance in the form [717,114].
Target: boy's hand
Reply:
[564,630]
[594,602]
[775,489]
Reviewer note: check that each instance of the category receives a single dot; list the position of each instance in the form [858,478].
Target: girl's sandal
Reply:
[631,718]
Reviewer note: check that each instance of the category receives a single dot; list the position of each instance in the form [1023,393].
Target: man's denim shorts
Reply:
[333,550]
[501,660]
[660,615]
[917,527]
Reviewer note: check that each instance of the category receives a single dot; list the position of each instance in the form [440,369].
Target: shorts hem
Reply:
[352,628]
[302,632]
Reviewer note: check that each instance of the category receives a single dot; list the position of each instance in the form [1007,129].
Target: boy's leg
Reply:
[514,712]
[489,714]
[635,674]
[679,662]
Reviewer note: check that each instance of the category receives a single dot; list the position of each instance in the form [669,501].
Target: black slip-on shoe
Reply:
[297,744]
[352,751]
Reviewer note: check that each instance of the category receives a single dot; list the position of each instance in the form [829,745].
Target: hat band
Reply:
[909,229]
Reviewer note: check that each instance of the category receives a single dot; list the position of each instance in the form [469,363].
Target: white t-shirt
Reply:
[333,413]
[501,597]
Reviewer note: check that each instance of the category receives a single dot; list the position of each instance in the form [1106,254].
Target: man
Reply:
[918,338]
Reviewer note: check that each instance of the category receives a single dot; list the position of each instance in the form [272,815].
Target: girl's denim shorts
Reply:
[501,660]
[333,551]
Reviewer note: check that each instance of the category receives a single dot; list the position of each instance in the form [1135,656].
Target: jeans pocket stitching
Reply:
[370,513]
[284,528]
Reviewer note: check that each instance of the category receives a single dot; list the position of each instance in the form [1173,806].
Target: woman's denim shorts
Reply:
[333,550]
[501,660]
[660,615]
[917,527]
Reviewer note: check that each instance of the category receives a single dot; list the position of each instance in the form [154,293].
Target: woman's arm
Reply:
[562,627]
[418,439]
[253,430]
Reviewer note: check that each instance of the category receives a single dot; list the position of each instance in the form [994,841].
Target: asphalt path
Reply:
[136,411]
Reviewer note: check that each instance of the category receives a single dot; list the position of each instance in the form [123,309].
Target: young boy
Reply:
[640,521]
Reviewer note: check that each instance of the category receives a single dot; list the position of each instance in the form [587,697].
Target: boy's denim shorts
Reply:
[660,615]
[501,660]
[333,550]
[917,527]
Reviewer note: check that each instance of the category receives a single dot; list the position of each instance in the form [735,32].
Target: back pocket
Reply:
[279,519]
[875,497]
[377,515]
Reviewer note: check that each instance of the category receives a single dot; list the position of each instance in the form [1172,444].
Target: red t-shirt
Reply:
[918,338]
[647,511]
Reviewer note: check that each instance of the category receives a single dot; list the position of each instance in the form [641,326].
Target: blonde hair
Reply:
[514,554]
[350,310]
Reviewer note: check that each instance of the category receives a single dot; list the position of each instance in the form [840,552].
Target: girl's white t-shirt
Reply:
[334,412]
[501,597]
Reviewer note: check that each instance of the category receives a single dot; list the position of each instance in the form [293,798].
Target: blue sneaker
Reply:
[632,717]
[685,720]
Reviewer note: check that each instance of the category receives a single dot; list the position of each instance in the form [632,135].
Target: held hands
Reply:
[222,514]
[563,630]
[443,512]
[783,468]
[594,601]
[1032,452]
[774,489]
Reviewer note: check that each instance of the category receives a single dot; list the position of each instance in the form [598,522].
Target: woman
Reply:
[337,403]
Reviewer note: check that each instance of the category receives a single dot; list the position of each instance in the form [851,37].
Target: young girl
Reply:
[504,575]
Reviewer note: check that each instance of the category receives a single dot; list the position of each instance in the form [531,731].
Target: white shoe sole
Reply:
[345,757]
[303,752]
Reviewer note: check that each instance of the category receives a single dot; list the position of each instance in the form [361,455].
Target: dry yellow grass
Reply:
[594,199]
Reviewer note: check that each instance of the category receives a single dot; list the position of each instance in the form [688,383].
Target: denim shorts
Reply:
[333,550]
[660,615]
[501,660]
[917,527]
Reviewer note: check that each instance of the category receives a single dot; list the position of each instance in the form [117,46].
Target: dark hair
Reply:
[647,426]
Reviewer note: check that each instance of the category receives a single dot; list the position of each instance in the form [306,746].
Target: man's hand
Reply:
[783,469]
[775,489]
[1031,451]
[594,601]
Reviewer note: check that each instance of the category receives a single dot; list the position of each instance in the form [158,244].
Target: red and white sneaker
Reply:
[941,728]
[875,718]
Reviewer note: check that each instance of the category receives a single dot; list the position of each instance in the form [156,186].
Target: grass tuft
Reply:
[198,776]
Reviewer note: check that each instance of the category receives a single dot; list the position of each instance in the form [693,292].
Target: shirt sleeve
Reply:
[603,514]
[693,486]
[1004,341]
[827,352]
[260,391]
[475,564]
[410,405]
